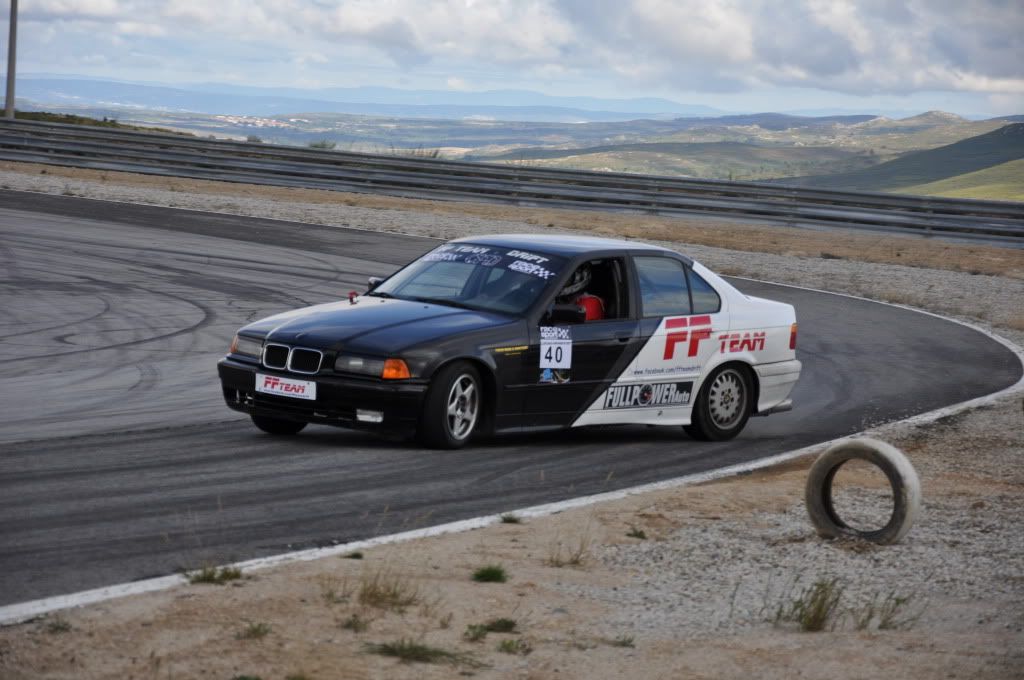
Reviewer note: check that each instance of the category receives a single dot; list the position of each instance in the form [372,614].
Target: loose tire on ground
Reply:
[723,405]
[906,490]
[453,407]
[278,426]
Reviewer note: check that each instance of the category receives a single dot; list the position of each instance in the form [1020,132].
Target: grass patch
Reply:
[253,631]
[355,623]
[334,590]
[515,646]
[620,641]
[214,575]
[410,651]
[475,632]
[572,555]
[813,608]
[891,613]
[384,589]
[637,533]
[492,573]
[511,519]
[353,556]
[57,625]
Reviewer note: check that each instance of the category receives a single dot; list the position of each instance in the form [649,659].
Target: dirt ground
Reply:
[693,582]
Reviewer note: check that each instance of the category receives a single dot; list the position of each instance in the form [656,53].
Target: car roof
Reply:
[567,245]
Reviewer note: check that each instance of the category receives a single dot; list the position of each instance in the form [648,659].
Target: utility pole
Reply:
[12,51]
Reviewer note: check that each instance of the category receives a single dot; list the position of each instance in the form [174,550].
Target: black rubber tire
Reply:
[703,425]
[906,490]
[436,427]
[278,426]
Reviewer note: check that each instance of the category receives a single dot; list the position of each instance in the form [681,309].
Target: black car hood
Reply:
[376,326]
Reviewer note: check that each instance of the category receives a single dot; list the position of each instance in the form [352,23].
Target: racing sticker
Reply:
[648,394]
[555,347]
[286,387]
[554,376]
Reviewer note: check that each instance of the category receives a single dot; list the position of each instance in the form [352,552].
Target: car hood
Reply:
[371,325]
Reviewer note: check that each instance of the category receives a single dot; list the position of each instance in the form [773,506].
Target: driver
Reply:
[575,292]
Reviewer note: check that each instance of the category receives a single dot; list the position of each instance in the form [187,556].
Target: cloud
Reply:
[844,46]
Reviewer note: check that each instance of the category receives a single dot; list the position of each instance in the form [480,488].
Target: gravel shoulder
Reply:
[698,595]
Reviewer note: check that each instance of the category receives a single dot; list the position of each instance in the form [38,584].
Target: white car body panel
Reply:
[684,350]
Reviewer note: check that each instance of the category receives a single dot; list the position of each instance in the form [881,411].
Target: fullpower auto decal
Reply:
[648,395]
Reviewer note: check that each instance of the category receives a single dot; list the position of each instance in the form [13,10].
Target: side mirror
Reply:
[566,313]
[373,282]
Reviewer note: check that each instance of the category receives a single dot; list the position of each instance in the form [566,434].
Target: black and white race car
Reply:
[522,333]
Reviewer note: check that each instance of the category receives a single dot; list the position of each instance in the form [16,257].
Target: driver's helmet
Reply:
[578,283]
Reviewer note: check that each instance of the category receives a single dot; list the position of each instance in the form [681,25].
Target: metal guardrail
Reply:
[180,156]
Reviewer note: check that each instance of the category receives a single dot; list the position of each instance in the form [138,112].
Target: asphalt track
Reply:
[118,460]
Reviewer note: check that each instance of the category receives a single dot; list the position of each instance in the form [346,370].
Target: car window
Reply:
[475,276]
[439,279]
[705,299]
[663,289]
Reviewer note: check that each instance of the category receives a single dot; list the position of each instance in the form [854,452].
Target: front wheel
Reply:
[723,405]
[453,407]
[277,425]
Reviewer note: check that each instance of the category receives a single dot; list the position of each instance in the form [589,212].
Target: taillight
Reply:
[792,336]
[395,369]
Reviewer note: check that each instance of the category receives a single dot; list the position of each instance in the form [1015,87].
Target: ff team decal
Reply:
[269,384]
[737,342]
[694,334]
[649,394]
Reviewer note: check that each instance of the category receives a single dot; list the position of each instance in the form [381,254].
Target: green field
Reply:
[718,160]
[925,167]
[1003,182]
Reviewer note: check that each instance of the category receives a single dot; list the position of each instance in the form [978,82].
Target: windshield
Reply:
[488,278]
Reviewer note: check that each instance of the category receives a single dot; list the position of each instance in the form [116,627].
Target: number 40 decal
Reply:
[555,347]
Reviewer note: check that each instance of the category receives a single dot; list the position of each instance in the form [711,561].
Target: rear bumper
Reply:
[776,381]
[337,399]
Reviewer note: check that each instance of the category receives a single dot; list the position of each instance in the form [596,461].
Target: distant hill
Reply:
[1003,182]
[728,160]
[509,105]
[969,155]
[778,121]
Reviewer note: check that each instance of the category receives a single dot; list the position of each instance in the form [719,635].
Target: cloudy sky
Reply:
[965,56]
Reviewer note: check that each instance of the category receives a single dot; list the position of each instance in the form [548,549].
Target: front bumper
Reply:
[337,399]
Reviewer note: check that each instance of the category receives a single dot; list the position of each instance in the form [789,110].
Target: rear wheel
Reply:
[723,405]
[277,425]
[453,408]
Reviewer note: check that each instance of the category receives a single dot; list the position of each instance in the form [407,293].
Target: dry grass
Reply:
[385,589]
[777,239]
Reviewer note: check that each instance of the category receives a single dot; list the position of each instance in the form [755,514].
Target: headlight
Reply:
[346,363]
[247,346]
[388,369]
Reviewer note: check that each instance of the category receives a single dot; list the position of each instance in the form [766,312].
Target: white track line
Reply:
[24,611]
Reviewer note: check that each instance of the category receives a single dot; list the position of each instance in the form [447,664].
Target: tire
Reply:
[906,490]
[278,426]
[723,405]
[453,408]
